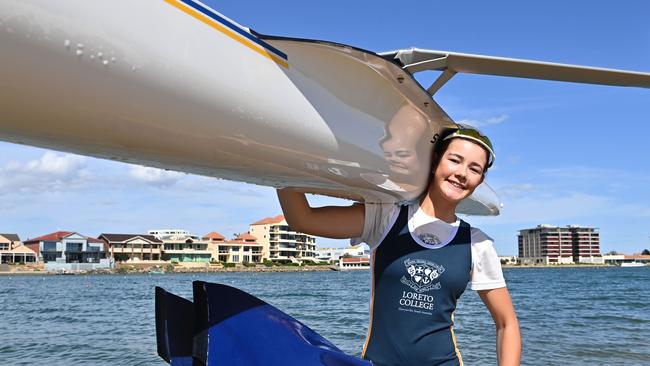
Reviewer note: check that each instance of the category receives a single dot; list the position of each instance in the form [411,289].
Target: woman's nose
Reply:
[461,172]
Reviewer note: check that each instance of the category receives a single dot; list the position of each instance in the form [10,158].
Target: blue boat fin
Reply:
[174,328]
[244,330]
[227,326]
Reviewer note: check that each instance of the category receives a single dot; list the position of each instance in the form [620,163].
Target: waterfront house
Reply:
[67,247]
[244,248]
[133,247]
[334,254]
[619,259]
[12,250]
[280,243]
[182,246]
[354,262]
[214,239]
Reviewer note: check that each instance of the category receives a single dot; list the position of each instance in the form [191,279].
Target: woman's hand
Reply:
[500,306]
[336,222]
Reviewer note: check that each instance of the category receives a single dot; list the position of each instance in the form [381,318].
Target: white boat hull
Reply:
[158,83]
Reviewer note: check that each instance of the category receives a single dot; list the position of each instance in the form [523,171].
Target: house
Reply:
[244,248]
[132,247]
[182,246]
[334,254]
[12,250]
[67,247]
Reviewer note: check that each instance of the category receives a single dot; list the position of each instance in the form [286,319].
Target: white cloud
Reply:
[51,173]
[526,205]
[155,176]
[486,121]
[516,190]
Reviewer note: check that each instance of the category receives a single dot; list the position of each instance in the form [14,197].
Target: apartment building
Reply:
[244,248]
[280,243]
[548,244]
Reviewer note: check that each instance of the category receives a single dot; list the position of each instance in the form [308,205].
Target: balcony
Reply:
[186,251]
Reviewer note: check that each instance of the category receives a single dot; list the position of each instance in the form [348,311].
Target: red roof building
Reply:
[214,237]
[270,220]
[68,247]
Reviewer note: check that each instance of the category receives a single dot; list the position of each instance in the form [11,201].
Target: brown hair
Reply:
[441,146]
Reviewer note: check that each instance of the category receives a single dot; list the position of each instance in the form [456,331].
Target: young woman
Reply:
[423,256]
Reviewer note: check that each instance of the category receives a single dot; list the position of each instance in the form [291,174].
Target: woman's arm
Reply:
[337,222]
[500,306]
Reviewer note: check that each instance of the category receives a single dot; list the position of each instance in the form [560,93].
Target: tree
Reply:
[645,252]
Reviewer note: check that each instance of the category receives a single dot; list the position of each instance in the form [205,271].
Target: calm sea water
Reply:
[568,316]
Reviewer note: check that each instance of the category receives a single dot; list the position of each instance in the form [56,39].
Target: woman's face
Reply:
[459,171]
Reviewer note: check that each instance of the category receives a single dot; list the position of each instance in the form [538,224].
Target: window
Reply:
[73,247]
[49,246]
[235,258]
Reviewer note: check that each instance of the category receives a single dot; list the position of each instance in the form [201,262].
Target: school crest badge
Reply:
[422,275]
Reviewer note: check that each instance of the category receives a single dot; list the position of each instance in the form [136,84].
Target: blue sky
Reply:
[566,153]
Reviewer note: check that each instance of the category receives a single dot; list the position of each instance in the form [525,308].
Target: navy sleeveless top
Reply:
[414,294]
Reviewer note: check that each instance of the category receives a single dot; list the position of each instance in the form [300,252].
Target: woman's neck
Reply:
[438,207]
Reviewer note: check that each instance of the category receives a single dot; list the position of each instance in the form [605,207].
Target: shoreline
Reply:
[153,270]
[558,266]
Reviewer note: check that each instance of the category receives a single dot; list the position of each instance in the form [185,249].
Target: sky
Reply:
[566,153]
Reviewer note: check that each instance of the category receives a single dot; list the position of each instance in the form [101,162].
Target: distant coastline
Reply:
[158,270]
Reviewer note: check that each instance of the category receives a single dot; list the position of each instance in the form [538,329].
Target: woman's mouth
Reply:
[456,185]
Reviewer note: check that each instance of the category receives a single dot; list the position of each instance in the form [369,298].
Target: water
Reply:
[568,316]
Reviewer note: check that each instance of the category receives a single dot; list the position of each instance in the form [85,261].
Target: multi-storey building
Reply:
[12,250]
[215,239]
[67,247]
[547,244]
[244,248]
[181,246]
[280,243]
[133,247]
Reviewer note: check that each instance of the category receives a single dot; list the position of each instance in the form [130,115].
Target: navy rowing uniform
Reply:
[414,295]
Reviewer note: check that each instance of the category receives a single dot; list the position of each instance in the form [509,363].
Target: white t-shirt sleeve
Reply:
[378,218]
[486,266]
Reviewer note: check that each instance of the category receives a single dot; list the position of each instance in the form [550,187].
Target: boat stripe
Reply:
[226,27]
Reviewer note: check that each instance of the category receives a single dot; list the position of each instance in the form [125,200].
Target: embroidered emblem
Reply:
[422,275]
[430,238]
